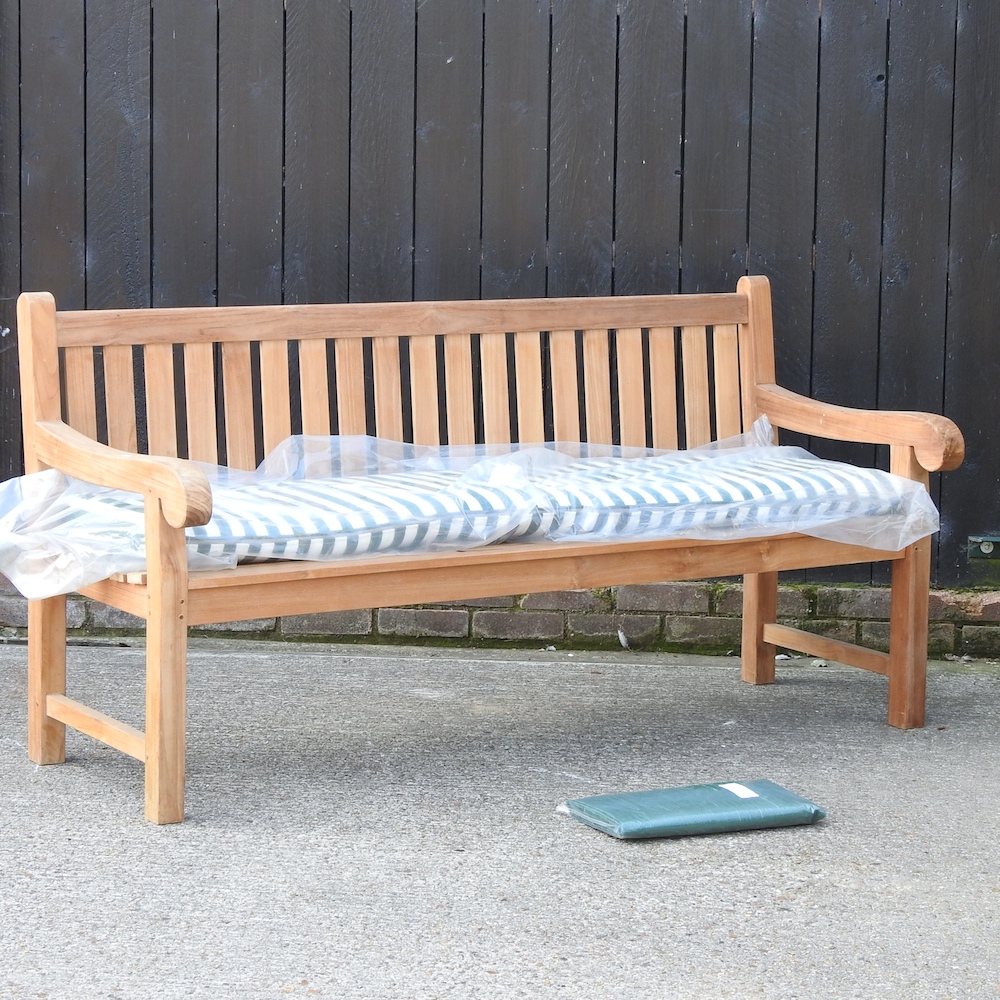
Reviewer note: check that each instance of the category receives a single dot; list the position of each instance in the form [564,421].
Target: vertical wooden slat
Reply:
[459,404]
[161,418]
[424,390]
[663,387]
[388,392]
[275,393]
[597,386]
[496,395]
[199,397]
[631,388]
[314,382]
[119,391]
[726,357]
[694,369]
[237,388]
[81,394]
[565,397]
[350,361]
[528,374]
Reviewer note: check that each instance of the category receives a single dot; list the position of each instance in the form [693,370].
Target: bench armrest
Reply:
[936,441]
[181,487]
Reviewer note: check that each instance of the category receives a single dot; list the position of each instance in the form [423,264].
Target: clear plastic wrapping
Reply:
[334,498]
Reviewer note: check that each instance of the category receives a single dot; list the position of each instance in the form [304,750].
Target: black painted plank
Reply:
[382,117]
[849,202]
[53,248]
[448,149]
[648,167]
[970,498]
[783,174]
[915,222]
[184,156]
[118,153]
[716,141]
[849,220]
[251,85]
[581,150]
[919,104]
[11,462]
[317,150]
[515,147]
[783,180]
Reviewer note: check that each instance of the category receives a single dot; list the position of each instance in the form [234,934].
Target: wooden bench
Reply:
[106,391]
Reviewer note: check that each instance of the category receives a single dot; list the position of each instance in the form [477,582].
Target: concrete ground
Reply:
[371,822]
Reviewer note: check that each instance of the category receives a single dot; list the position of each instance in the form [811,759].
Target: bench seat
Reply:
[64,534]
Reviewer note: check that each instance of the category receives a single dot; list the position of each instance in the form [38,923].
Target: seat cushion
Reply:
[746,492]
[333,518]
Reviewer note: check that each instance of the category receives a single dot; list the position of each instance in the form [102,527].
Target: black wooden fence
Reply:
[179,152]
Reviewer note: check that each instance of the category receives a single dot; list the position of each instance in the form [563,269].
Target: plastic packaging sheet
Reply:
[332,498]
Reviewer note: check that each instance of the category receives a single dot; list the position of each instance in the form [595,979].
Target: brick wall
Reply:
[691,617]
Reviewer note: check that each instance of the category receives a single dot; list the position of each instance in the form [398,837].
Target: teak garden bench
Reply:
[225,385]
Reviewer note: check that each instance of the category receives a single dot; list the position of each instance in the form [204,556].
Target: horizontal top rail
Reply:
[226,324]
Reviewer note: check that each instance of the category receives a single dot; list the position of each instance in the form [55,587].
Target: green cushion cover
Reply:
[695,809]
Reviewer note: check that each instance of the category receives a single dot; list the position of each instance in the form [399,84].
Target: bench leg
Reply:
[166,665]
[908,636]
[760,608]
[46,675]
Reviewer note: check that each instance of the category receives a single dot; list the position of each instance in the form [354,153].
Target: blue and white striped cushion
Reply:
[698,494]
[328,519]
[755,491]
[703,493]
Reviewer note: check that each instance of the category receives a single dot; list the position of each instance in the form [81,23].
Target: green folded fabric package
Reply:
[695,809]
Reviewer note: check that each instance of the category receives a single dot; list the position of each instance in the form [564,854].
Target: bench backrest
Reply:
[225,385]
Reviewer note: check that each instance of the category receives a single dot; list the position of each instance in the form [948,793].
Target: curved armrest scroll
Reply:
[181,487]
[936,441]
